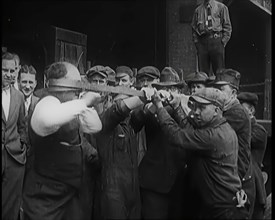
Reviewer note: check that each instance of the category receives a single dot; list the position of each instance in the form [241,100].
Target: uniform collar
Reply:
[211,3]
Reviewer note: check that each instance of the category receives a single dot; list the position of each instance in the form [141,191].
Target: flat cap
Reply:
[248,97]
[228,77]
[150,71]
[97,69]
[122,71]
[111,75]
[209,96]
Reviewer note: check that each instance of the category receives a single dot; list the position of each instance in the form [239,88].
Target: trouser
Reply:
[120,195]
[225,213]
[258,212]
[12,185]
[210,52]
[154,205]
[250,189]
[48,199]
[114,206]
[176,203]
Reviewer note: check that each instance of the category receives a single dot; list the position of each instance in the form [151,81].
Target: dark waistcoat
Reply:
[59,156]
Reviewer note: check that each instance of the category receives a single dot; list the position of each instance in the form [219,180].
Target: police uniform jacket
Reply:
[240,121]
[258,146]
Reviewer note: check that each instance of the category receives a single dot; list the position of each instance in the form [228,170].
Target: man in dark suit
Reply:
[249,101]
[161,165]
[27,83]
[13,141]
[228,80]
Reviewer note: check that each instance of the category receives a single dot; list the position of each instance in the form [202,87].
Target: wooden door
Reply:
[65,45]
[72,47]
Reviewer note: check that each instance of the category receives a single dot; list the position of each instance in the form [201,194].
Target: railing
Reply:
[267,124]
[266,5]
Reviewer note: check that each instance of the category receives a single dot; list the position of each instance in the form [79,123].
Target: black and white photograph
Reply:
[136,109]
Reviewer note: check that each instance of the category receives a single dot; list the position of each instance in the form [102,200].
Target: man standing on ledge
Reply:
[211,29]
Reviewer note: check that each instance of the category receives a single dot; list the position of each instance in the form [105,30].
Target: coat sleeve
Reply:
[226,25]
[138,118]
[258,143]
[241,123]
[193,139]
[114,115]
[194,26]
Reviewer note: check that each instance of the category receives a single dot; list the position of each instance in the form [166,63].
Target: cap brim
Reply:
[120,75]
[165,84]
[199,100]
[99,73]
[147,74]
[220,83]
[196,81]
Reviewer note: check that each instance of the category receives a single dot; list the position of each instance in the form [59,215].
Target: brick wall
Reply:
[181,49]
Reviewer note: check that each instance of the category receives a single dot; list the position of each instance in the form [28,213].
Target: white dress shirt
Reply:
[6,97]
[15,85]
[50,114]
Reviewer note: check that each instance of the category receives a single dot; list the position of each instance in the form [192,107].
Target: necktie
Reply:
[26,107]
[209,19]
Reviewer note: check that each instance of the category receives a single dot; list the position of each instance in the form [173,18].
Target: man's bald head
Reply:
[62,70]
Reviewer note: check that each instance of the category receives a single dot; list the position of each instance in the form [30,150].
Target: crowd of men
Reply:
[181,149]
[185,149]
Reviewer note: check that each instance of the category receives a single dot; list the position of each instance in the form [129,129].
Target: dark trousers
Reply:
[250,189]
[48,199]
[12,186]
[210,51]
[225,213]
[120,195]
[258,211]
[114,206]
[154,205]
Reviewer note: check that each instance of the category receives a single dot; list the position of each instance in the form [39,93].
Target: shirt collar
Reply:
[28,99]
[6,89]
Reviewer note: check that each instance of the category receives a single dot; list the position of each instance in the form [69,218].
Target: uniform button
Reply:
[121,135]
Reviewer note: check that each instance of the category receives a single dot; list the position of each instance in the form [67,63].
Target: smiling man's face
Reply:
[27,84]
